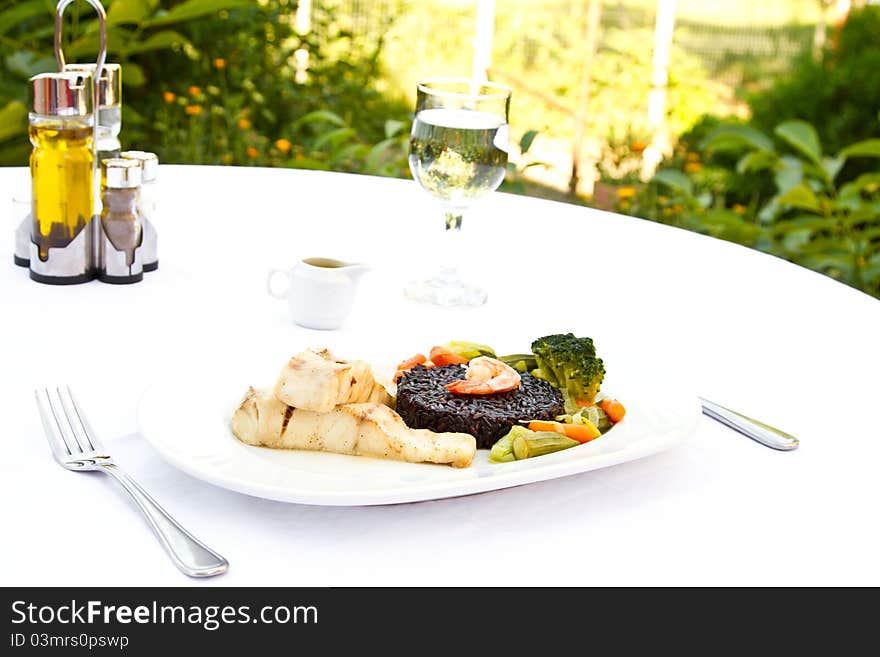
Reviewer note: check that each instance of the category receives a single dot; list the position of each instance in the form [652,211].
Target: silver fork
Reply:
[75,447]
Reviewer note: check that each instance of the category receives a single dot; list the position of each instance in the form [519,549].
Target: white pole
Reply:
[660,143]
[303,24]
[484,29]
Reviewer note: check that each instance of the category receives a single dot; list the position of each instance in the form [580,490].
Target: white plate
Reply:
[187,418]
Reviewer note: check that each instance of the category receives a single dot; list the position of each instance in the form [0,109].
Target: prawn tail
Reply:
[464,387]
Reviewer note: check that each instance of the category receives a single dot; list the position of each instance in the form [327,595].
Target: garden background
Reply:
[770,133]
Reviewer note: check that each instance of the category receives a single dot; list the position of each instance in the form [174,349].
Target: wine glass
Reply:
[458,154]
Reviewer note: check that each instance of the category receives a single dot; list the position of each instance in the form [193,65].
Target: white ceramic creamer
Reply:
[320,291]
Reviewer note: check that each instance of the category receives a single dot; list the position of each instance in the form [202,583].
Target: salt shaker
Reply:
[21,205]
[150,165]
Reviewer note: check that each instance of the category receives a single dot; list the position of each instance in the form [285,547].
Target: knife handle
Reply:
[757,431]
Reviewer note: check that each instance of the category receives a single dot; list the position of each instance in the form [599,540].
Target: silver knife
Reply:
[757,431]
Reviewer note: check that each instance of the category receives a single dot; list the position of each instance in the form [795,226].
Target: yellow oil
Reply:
[62,179]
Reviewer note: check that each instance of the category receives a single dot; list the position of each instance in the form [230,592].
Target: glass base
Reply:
[446,289]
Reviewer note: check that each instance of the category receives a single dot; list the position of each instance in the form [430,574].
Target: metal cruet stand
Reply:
[75,262]
[95,225]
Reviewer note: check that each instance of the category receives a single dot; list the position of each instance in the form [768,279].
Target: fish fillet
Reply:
[363,429]
[318,381]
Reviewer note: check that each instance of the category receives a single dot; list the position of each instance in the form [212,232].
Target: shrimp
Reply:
[486,376]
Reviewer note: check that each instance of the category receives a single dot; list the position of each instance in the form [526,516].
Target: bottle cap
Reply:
[117,173]
[149,162]
[62,94]
[109,84]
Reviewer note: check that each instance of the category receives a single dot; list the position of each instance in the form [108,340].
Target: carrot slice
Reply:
[582,433]
[412,361]
[613,409]
[442,356]
[546,425]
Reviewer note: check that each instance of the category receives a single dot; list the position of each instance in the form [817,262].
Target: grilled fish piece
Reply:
[318,381]
[364,429]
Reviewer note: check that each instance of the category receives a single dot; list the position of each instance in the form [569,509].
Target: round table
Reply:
[750,331]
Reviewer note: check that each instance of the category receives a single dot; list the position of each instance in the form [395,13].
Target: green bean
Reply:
[521,362]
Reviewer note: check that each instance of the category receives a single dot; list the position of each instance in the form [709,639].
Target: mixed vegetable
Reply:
[521,443]
[452,353]
[569,364]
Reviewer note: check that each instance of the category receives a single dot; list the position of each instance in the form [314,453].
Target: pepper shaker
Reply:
[119,255]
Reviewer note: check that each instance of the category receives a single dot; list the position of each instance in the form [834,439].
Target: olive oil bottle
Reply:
[62,161]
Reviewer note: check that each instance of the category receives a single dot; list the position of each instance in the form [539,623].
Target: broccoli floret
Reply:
[551,353]
[583,383]
[571,365]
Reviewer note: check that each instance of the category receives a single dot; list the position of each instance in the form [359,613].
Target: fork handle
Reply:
[757,431]
[189,554]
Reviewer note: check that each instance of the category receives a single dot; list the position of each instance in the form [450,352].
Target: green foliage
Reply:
[332,145]
[250,98]
[136,29]
[515,180]
[548,55]
[838,92]
[214,81]
[815,217]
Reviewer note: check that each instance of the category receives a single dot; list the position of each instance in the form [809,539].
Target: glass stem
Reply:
[451,247]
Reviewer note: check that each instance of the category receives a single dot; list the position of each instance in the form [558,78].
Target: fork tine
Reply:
[94,443]
[74,420]
[64,425]
[52,428]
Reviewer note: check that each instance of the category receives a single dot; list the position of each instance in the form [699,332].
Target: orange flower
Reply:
[244,124]
[220,63]
[626,192]
[692,167]
[252,152]
[195,91]
[169,97]
[283,145]
[739,209]
[193,110]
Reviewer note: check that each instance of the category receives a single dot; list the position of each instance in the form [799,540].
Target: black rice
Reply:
[424,403]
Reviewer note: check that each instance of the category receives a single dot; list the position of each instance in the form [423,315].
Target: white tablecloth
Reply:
[760,335]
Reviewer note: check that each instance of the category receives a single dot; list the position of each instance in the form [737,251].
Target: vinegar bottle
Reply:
[109,110]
